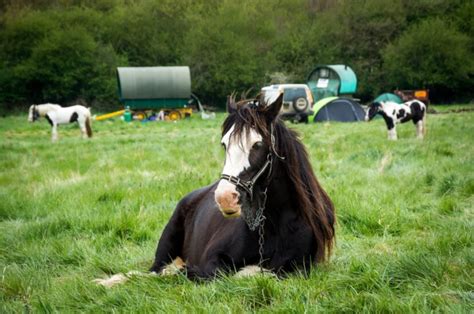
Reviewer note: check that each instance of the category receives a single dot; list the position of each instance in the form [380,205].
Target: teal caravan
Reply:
[332,80]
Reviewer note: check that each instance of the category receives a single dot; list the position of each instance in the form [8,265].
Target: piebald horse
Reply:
[394,113]
[266,212]
[57,115]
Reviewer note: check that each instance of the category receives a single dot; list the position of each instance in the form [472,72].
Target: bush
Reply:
[431,54]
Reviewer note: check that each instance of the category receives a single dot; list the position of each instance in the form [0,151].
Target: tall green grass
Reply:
[81,209]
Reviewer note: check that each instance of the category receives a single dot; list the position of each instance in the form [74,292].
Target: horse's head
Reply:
[33,114]
[372,111]
[247,140]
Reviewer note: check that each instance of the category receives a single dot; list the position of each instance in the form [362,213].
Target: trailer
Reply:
[420,94]
[148,90]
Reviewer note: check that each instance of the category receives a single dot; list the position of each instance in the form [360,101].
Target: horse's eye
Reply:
[223,146]
[258,144]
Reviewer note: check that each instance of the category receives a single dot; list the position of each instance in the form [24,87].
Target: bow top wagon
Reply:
[144,90]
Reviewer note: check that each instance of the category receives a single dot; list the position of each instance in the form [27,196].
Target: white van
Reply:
[297,100]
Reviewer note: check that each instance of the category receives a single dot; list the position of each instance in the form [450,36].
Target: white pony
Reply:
[57,115]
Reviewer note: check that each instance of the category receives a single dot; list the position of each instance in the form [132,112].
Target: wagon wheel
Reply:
[174,115]
[139,115]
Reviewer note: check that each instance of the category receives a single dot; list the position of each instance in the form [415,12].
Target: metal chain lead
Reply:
[258,221]
[261,242]
[254,221]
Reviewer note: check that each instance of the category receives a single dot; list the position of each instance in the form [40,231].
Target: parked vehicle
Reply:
[297,100]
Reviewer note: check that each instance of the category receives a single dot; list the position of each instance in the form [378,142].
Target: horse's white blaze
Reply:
[237,157]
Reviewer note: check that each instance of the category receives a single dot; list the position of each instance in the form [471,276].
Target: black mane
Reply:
[313,202]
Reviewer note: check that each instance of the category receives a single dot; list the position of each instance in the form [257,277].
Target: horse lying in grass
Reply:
[394,113]
[267,211]
[57,115]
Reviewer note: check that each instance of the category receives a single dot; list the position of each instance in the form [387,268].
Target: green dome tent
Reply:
[318,105]
[388,97]
[337,109]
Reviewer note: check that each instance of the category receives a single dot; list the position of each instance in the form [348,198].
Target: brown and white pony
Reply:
[37,111]
[57,115]
[267,209]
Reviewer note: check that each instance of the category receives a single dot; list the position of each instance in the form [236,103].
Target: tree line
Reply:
[65,51]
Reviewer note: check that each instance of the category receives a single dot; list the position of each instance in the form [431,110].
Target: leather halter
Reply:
[36,114]
[248,185]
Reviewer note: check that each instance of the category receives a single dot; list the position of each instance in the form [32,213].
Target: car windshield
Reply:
[294,93]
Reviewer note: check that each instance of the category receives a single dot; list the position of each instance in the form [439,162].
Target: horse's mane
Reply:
[315,205]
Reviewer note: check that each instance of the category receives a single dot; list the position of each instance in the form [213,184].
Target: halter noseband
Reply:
[36,114]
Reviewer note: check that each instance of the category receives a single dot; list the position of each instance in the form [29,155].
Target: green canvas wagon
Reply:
[144,89]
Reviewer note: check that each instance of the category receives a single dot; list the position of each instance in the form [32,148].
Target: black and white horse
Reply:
[394,113]
[267,208]
[57,115]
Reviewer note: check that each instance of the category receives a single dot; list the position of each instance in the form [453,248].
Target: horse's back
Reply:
[416,105]
[46,108]
[69,114]
[80,109]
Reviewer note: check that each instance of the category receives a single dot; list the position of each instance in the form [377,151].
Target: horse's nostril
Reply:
[235,196]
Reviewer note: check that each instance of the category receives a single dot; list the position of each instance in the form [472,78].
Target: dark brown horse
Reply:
[267,209]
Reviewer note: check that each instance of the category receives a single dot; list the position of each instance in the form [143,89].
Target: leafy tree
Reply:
[21,34]
[231,51]
[61,50]
[431,54]
[149,33]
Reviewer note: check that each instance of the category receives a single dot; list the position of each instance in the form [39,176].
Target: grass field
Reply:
[82,209]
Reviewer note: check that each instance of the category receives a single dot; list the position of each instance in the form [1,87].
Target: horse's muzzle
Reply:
[228,202]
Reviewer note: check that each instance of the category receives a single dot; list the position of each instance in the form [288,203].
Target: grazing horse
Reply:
[63,115]
[394,113]
[37,111]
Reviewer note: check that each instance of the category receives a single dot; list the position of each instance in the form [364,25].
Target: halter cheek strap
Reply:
[35,114]
[248,185]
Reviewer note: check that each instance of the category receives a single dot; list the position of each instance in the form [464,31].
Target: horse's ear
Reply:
[273,109]
[231,106]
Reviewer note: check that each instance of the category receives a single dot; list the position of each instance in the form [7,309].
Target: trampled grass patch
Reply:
[78,210]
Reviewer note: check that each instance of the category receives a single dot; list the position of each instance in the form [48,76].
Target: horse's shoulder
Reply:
[193,198]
